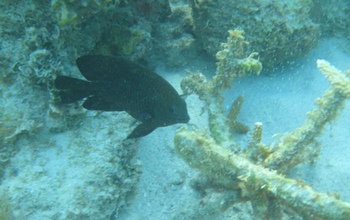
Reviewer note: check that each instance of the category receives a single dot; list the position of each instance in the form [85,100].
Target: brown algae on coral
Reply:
[232,63]
[257,174]
[303,139]
[225,167]
[233,114]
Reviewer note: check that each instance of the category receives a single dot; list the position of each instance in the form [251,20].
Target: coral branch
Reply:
[203,154]
[233,114]
[256,173]
[232,63]
[256,150]
[300,145]
[336,77]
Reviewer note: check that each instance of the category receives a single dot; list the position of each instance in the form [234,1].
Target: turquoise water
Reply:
[65,162]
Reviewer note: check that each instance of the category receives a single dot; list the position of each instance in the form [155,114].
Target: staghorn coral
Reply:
[234,171]
[257,174]
[232,116]
[232,63]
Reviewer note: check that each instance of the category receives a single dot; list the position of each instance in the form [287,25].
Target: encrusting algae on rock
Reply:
[257,174]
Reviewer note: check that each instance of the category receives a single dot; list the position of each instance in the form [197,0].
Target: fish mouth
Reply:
[184,120]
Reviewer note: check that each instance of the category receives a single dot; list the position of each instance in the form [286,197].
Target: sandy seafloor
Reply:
[280,100]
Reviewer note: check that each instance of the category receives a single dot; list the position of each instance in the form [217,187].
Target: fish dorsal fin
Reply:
[109,68]
[113,69]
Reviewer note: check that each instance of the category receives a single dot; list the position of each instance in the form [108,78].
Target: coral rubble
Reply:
[51,167]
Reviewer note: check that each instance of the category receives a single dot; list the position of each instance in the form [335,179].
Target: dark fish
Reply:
[115,84]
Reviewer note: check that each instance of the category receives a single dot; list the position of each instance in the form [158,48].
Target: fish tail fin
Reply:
[72,89]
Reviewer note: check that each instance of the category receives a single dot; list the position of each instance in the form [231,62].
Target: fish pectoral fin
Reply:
[142,130]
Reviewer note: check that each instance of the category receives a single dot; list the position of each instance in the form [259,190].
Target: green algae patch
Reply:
[120,41]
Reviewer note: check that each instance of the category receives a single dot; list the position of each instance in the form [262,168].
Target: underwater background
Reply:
[282,154]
